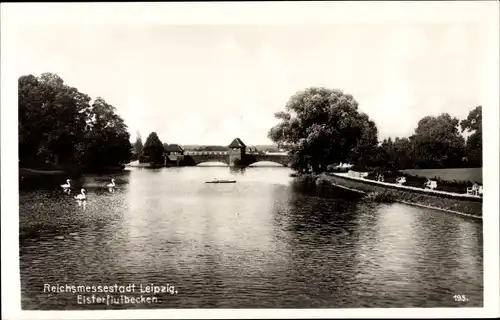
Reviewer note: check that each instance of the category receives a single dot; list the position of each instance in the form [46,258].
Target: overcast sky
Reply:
[208,84]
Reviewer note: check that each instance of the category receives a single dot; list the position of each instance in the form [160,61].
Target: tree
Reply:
[437,143]
[51,119]
[386,155]
[153,148]
[57,124]
[474,145]
[322,126]
[138,144]
[30,117]
[403,153]
[108,141]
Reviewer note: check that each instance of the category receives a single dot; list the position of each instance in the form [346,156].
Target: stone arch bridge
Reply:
[238,155]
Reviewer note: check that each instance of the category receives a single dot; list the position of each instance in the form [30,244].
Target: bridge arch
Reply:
[267,163]
[213,163]
[282,159]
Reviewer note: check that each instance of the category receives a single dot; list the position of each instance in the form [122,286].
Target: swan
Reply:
[66,186]
[81,196]
[112,184]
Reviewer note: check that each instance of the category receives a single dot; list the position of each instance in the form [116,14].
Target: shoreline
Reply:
[459,205]
[35,173]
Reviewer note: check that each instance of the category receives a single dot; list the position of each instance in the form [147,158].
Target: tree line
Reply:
[60,126]
[436,143]
[321,126]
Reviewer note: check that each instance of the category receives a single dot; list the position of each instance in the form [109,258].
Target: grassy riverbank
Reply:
[450,185]
[380,193]
[472,175]
[28,173]
[466,206]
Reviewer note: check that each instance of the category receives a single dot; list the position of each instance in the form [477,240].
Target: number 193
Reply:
[460,298]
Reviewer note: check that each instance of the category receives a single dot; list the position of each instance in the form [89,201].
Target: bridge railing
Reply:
[205,153]
[208,153]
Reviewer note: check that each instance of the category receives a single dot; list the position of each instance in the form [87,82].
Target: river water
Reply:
[263,242]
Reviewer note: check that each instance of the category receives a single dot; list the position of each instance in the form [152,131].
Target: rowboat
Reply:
[221,181]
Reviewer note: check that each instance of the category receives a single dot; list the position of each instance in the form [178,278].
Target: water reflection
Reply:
[237,170]
[262,242]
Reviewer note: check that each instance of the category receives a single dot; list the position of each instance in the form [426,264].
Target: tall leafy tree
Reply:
[153,148]
[31,115]
[138,145]
[386,156]
[50,118]
[474,145]
[108,140]
[403,153]
[394,154]
[322,126]
[58,124]
[437,142]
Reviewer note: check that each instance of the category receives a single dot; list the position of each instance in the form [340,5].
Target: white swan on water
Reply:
[66,186]
[112,184]
[81,196]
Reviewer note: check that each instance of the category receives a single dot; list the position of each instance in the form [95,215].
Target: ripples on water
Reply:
[257,243]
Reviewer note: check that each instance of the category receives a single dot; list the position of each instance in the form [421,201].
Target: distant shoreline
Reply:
[33,173]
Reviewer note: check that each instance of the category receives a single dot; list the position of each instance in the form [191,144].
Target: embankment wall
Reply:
[454,204]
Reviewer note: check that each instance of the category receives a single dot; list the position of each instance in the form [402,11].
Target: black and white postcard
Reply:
[254,159]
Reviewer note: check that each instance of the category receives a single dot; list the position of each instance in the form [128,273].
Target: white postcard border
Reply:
[14,15]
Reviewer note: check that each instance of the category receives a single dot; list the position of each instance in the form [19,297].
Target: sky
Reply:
[210,83]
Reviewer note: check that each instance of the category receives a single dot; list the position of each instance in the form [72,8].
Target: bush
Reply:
[381,197]
[144,159]
[372,175]
[306,179]
[321,182]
